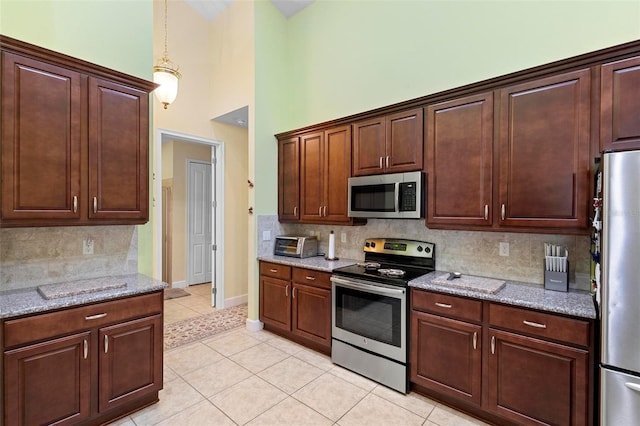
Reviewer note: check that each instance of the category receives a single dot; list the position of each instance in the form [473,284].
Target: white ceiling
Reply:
[212,8]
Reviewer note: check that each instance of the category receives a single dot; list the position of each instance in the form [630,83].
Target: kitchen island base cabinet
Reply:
[83,366]
[296,303]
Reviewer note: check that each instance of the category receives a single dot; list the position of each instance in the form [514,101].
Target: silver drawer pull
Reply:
[387,161]
[75,204]
[286,291]
[380,162]
[503,212]
[95,204]
[633,386]
[106,343]
[310,278]
[534,324]
[293,293]
[486,211]
[493,344]
[86,348]
[443,305]
[475,340]
[97,316]
[273,270]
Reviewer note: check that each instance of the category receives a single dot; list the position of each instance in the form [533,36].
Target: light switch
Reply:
[266,235]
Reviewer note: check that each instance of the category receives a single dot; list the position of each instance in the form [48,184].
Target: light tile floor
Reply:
[258,378]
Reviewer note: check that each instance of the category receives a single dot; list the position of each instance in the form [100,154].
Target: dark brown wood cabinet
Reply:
[544,155]
[89,364]
[325,169]
[459,161]
[620,105]
[389,144]
[288,179]
[75,141]
[296,302]
[507,364]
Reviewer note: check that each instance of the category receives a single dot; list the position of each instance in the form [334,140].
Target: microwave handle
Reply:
[397,200]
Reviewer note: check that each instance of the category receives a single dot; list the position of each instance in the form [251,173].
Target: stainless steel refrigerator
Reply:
[620,290]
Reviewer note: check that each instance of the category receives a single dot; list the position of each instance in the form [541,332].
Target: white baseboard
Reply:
[179,284]
[235,301]
[254,325]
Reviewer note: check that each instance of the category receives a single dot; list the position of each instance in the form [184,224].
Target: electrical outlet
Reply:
[504,249]
[87,246]
[266,235]
[343,237]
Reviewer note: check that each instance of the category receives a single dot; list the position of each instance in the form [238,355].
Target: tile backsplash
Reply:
[470,252]
[35,256]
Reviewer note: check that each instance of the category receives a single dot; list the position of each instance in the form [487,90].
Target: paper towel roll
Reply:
[332,246]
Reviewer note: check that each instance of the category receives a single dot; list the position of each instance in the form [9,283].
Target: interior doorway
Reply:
[209,224]
[199,223]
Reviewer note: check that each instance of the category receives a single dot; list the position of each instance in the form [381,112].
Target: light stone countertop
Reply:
[29,300]
[534,296]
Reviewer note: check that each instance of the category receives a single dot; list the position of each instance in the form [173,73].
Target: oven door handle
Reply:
[358,285]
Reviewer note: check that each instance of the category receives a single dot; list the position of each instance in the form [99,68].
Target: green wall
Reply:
[114,34]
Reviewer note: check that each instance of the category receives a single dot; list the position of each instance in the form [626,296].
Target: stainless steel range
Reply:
[370,307]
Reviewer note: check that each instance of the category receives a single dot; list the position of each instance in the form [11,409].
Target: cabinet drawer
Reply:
[46,326]
[275,270]
[541,324]
[312,277]
[447,305]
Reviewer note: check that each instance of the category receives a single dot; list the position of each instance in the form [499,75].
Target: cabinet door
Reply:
[535,382]
[118,152]
[311,176]
[620,105]
[48,382]
[369,146]
[446,356]
[288,179]
[544,152]
[130,361]
[40,140]
[459,161]
[337,169]
[312,313]
[404,142]
[275,302]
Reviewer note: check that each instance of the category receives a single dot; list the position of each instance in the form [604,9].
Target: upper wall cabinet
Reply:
[459,152]
[544,152]
[75,141]
[289,179]
[388,144]
[620,105]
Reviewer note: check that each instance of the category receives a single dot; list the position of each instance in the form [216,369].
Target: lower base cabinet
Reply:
[107,365]
[296,302]
[509,365]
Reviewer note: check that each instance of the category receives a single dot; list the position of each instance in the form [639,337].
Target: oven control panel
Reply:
[400,247]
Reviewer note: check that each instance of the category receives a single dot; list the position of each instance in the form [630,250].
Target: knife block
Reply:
[557,281]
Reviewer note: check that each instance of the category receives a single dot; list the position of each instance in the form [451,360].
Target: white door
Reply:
[199,223]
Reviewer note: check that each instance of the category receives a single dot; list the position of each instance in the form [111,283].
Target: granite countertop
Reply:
[73,293]
[575,303]
[319,263]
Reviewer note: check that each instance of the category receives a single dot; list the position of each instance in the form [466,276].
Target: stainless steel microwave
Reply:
[390,196]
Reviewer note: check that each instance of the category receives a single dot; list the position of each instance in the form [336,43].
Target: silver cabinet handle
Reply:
[486,211]
[475,340]
[75,203]
[310,278]
[95,204]
[293,292]
[86,348]
[444,305]
[325,211]
[502,212]
[273,270]
[97,316]
[633,386]
[286,291]
[106,343]
[387,161]
[534,324]
[295,211]
[380,162]
[320,211]
[493,344]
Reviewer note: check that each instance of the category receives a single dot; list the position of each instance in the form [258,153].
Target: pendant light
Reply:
[165,73]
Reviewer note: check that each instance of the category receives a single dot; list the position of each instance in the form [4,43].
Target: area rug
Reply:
[173,293]
[207,325]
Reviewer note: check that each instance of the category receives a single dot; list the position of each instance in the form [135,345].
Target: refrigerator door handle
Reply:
[633,386]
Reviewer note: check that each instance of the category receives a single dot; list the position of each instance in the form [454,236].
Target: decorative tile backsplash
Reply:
[469,252]
[35,256]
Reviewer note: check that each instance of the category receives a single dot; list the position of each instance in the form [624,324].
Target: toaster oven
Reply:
[294,246]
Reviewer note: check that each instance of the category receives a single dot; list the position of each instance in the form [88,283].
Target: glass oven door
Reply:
[371,316]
